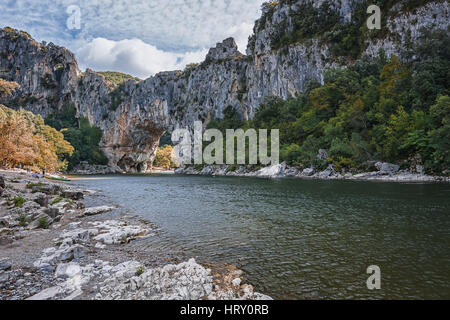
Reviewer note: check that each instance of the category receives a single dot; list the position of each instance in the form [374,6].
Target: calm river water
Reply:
[300,239]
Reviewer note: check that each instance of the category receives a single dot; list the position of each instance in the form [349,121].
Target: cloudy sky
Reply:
[139,37]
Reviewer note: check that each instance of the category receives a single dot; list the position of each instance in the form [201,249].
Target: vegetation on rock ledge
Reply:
[84,137]
[377,109]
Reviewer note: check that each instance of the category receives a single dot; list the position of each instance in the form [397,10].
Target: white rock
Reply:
[272,171]
[67,270]
[236,282]
[97,210]
[46,294]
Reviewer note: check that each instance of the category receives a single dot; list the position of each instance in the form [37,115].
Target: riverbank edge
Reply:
[66,270]
[386,173]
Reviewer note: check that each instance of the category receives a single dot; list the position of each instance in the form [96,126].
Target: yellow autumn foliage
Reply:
[25,140]
[165,158]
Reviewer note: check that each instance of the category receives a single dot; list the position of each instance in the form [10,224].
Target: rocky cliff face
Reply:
[134,115]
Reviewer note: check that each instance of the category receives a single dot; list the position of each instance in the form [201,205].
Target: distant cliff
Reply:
[294,42]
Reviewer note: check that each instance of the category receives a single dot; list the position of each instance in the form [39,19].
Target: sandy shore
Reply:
[52,247]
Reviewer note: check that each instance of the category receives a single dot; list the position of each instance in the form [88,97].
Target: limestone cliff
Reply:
[134,114]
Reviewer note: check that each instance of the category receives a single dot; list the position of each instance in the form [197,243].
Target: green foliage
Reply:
[344,38]
[43,223]
[32,185]
[376,109]
[117,97]
[57,200]
[84,137]
[19,201]
[231,120]
[66,118]
[118,78]
[23,220]
[140,271]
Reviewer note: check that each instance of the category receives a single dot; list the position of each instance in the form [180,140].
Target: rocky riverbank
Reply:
[84,168]
[383,172]
[52,247]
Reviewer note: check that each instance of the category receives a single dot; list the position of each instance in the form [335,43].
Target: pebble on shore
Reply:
[31,208]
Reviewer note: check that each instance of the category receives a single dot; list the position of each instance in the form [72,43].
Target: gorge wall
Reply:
[134,115]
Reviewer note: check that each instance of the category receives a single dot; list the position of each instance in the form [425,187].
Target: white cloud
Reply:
[133,56]
[178,28]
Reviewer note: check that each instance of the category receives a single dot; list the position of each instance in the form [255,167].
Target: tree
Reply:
[164,158]
[26,140]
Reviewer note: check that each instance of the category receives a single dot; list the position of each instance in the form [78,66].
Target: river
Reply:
[299,239]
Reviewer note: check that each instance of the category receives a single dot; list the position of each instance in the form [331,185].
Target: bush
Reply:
[43,223]
[57,200]
[26,140]
[19,201]
[84,137]
[140,271]
[165,158]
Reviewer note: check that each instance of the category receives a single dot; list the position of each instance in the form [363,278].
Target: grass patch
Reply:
[23,221]
[57,200]
[19,201]
[124,240]
[32,185]
[140,271]
[43,223]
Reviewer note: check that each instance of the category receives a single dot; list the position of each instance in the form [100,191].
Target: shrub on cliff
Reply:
[118,78]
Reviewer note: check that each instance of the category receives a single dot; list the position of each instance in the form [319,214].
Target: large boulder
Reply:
[74,195]
[52,212]
[328,172]
[291,172]
[387,168]
[41,199]
[272,171]
[43,220]
[48,189]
